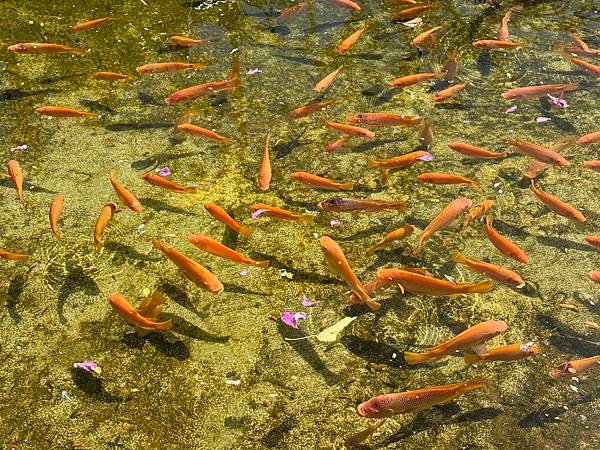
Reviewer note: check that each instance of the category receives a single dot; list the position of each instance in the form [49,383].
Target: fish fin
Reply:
[362,436]
[235,71]
[198,65]
[479,348]
[113,174]
[472,358]
[517,7]
[401,288]
[77,51]
[191,190]
[385,176]
[473,383]
[458,257]
[373,249]
[305,218]
[167,325]
[480,288]
[227,141]
[456,296]
[370,163]
[418,249]
[347,186]
[412,358]
[246,231]
[262,263]
[489,220]
[373,305]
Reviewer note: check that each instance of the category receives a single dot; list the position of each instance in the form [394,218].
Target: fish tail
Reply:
[400,206]
[475,185]
[305,218]
[262,263]
[347,186]
[479,288]
[198,65]
[517,7]
[98,245]
[372,163]
[191,190]
[245,231]
[458,257]
[412,358]
[113,174]
[164,325]
[472,384]
[235,71]
[419,248]
[77,51]
[373,249]
[385,176]
[227,141]
[489,220]
[472,358]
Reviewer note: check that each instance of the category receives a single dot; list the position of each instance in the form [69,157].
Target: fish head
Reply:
[497,327]
[371,408]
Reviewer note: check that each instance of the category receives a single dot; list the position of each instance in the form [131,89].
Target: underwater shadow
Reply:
[568,340]
[158,205]
[375,352]
[96,107]
[431,419]
[76,280]
[92,386]
[235,289]
[277,433]
[177,349]
[128,251]
[299,275]
[178,296]
[543,416]
[147,99]
[161,158]
[561,243]
[182,326]
[136,126]
[14,291]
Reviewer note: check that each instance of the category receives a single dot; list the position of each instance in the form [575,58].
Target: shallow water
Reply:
[180,390]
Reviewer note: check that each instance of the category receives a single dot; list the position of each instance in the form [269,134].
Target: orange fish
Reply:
[472,338]
[59,111]
[13,256]
[388,405]
[409,80]
[193,271]
[477,211]
[502,244]
[410,13]
[578,42]
[493,271]
[264,171]
[221,215]
[55,213]
[187,41]
[337,144]
[320,182]
[151,306]
[195,130]
[543,154]
[534,169]
[16,176]
[289,14]
[187,117]
[348,4]
[337,204]
[593,240]
[350,40]
[592,165]
[349,129]
[42,47]
[406,160]
[503,30]
[309,108]
[131,315]
[590,138]
[425,132]
[494,44]
[91,23]
[559,207]
[216,248]
[594,276]
[445,94]
[588,67]
[326,81]
[579,51]
[451,212]
[109,76]
[168,67]
[162,182]
[383,119]
[574,367]
[339,265]
[196,91]
[512,352]
[396,235]
[470,151]
[528,92]
[372,288]
[259,209]
[451,66]
[426,38]
[105,216]
[446,178]
[124,195]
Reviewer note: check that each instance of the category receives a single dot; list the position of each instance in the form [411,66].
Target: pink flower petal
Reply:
[244,272]
[291,319]
[253,71]
[335,223]
[511,109]
[308,302]
[542,119]
[88,366]
[256,214]
[164,171]
[427,157]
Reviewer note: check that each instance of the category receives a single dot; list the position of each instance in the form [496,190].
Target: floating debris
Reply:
[88,366]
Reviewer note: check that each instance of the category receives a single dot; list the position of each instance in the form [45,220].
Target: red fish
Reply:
[105,216]
[471,151]
[168,67]
[592,165]
[351,40]
[396,235]
[512,352]
[109,76]
[409,80]
[59,111]
[272,211]
[497,273]
[338,204]
[478,211]
[327,80]
[194,92]
[445,94]
[446,178]
[124,195]
[492,44]
[383,119]
[594,276]
[593,240]
[426,38]
[337,144]
[55,213]
[187,41]
[543,154]
[91,23]
[309,108]
[503,30]
[289,14]
[320,182]
[221,215]
[503,245]
[348,4]
[528,92]
[195,130]
[590,138]
[43,47]
[559,207]
[162,182]
[16,176]
[410,13]
[216,248]
[131,315]
[349,129]
[574,367]
[588,67]
[264,171]
[4,254]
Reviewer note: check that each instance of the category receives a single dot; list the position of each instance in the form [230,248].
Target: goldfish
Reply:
[337,204]
[349,129]
[426,38]
[162,182]
[337,144]
[528,92]
[289,14]
[594,276]
[494,44]
[4,254]
[590,138]
[588,67]
[493,271]
[512,352]
[131,315]
[339,265]
[372,288]
[124,195]
[187,41]
[196,91]
[410,13]
[543,154]
[362,435]
[272,211]
[91,23]
[105,216]
[472,338]
[111,76]
[59,111]
[186,118]
[320,182]
[578,42]
[574,367]
[592,165]
[219,213]
[445,94]
[55,212]
[195,130]
[450,67]
[396,235]
[16,176]
[478,211]
[593,240]
[168,67]
[42,47]
[350,40]
[406,160]
[418,283]
[383,119]
[446,178]
[503,30]
[309,108]
[579,51]
[471,151]
[559,207]
[216,248]
[534,169]
[193,271]
[387,405]
[425,132]
[451,212]
[327,80]
[502,244]
[264,171]
[348,4]
[151,306]
[409,80]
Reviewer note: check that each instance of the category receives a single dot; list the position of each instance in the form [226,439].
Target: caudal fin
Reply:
[199,65]
[472,384]
[472,358]
[418,358]
[245,231]
[262,263]
[480,288]
[167,325]
[347,186]
[457,257]
[191,190]
[372,163]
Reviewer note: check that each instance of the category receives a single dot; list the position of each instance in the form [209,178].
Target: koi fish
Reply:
[168,67]
[187,41]
[193,271]
[472,338]
[559,207]
[197,91]
[572,368]
[594,276]
[406,160]
[445,94]
[590,138]
[91,23]
[339,265]
[388,405]
[289,14]
[320,182]
[592,165]
[593,240]
[450,67]
[16,176]
[195,130]
[588,67]
[132,316]
[350,40]
[349,129]
[503,245]
[410,13]
[13,256]
[59,111]
[528,92]
[498,273]
[409,80]
[42,47]
[109,76]
[337,144]
[348,4]
[327,80]
[446,178]
[309,108]
[221,215]
[426,38]
[450,213]
[383,119]
[55,213]
[337,204]
[216,248]
[396,235]
[495,44]
[162,182]
[477,212]
[543,154]
[512,352]
[124,195]
[471,151]
[272,211]
[503,30]
[105,216]
[264,171]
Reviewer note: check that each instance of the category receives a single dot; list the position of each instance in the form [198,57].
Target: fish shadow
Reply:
[566,339]
[76,280]
[544,416]
[128,252]
[235,289]
[385,96]
[177,349]
[137,126]
[299,276]
[484,63]
[158,205]
[182,326]
[375,352]
[92,386]
[147,99]
[96,107]
[371,144]
[161,158]
[273,437]
[178,296]
[14,291]
[561,243]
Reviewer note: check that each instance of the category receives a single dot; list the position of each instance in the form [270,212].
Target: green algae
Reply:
[170,391]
